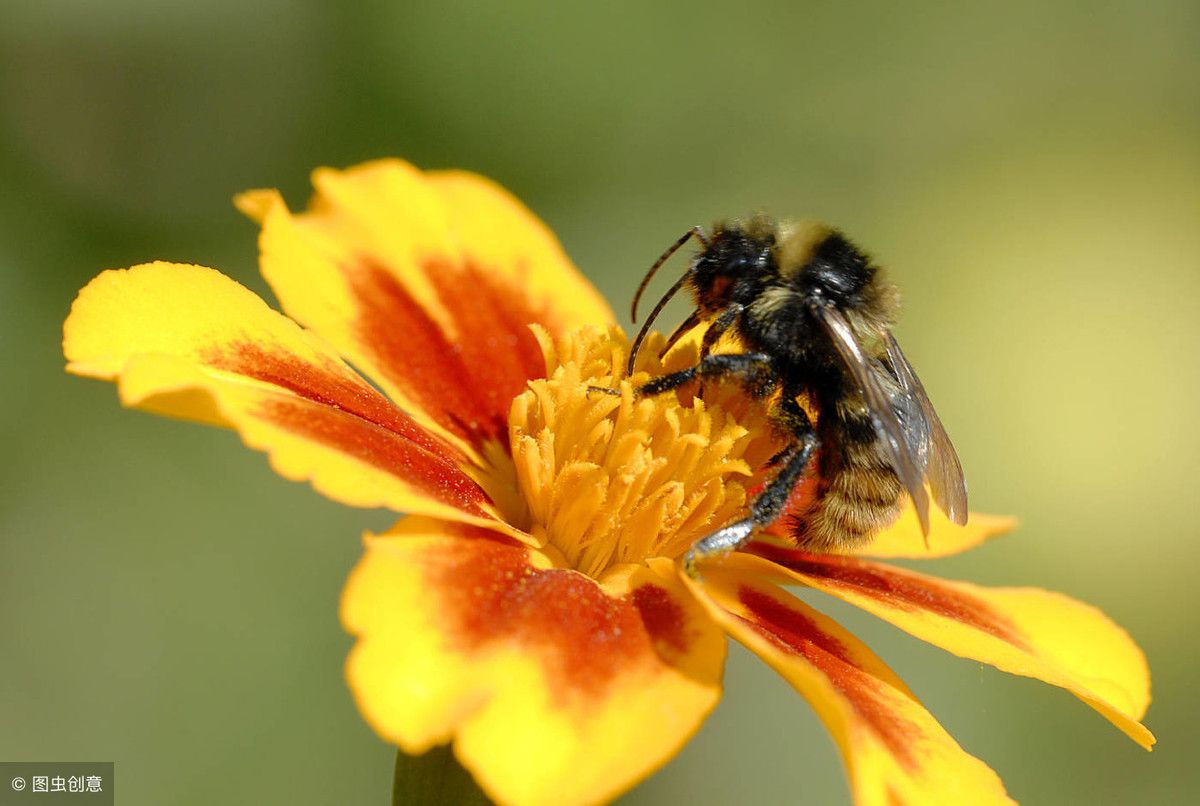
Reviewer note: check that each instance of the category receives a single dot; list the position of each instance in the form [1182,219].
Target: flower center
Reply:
[610,480]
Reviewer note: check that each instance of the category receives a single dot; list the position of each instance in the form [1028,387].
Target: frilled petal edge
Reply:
[428,281]
[186,341]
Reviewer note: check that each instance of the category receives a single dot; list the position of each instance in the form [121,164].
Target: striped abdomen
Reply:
[858,493]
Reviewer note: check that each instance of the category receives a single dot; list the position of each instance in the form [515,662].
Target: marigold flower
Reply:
[530,606]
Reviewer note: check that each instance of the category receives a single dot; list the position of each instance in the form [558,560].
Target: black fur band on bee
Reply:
[814,316]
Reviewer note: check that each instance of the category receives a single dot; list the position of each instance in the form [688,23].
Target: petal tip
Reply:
[998,524]
[258,203]
[89,310]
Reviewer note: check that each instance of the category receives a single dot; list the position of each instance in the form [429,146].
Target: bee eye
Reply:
[736,266]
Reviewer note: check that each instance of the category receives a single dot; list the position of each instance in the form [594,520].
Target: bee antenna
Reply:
[662,303]
[696,232]
[685,327]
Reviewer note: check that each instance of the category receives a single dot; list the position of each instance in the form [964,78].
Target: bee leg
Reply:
[716,330]
[773,499]
[724,540]
[754,370]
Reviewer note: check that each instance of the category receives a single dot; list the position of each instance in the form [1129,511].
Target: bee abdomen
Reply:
[860,495]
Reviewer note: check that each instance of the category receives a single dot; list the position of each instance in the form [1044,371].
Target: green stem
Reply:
[434,779]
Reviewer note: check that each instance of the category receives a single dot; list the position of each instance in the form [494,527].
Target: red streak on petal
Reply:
[348,415]
[492,319]
[465,382]
[896,588]
[663,617]
[415,354]
[491,595]
[324,385]
[380,448]
[795,633]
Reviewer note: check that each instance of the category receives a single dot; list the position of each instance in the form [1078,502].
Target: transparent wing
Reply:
[908,410]
[939,459]
[888,428]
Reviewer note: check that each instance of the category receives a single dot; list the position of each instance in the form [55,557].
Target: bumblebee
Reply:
[814,317]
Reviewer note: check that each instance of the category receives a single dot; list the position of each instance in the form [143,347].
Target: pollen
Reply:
[610,480]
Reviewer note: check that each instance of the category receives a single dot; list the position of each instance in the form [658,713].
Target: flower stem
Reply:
[434,779]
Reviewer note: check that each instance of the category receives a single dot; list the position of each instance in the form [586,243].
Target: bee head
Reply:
[727,267]
[726,270]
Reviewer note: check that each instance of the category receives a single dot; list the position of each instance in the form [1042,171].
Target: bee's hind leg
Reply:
[773,499]
[724,540]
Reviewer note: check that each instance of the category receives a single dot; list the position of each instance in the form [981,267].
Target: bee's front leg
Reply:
[755,371]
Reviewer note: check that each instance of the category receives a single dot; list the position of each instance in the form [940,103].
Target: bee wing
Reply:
[940,462]
[888,428]
[908,410]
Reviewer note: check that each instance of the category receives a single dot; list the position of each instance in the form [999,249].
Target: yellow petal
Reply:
[188,342]
[1025,631]
[894,750]
[555,689]
[904,537]
[429,283]
[493,229]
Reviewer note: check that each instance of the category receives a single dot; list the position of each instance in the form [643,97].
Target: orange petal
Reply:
[894,750]
[429,283]
[555,689]
[1025,631]
[188,342]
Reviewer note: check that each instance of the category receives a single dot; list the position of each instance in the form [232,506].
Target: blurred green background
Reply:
[1029,172]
